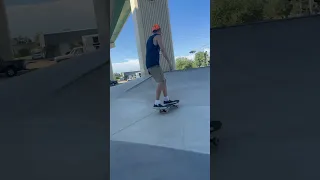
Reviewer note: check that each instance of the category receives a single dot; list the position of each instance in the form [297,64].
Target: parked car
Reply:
[38,55]
[113,83]
[11,68]
[74,52]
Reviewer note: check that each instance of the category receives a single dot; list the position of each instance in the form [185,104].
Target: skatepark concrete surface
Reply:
[175,145]
[133,118]
[265,91]
[61,135]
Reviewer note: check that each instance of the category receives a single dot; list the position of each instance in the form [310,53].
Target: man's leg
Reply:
[164,89]
[163,84]
[159,90]
[157,75]
[166,99]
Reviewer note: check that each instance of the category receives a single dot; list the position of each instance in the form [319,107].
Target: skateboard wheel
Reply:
[215,141]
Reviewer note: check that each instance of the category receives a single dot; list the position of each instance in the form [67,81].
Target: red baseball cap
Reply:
[155,27]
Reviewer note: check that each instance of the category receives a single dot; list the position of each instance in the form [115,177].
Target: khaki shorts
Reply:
[157,74]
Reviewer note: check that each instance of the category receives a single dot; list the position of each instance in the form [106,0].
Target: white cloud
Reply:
[127,66]
[190,56]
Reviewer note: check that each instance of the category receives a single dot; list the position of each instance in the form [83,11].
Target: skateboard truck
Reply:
[168,107]
[215,126]
[175,105]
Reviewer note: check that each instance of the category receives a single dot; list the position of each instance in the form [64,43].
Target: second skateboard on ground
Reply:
[215,127]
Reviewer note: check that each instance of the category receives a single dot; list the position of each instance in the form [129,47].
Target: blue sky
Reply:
[190,23]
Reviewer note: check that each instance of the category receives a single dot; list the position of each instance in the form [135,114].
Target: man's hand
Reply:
[170,66]
[163,51]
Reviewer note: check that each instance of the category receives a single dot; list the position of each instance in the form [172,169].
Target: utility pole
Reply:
[205,57]
[192,52]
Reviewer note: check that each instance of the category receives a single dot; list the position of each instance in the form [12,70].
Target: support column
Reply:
[111,71]
[145,14]
[5,39]
[103,23]
[111,68]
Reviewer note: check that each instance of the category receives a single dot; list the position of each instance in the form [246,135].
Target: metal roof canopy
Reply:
[120,15]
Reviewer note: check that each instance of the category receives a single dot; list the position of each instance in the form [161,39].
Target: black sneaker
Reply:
[159,106]
[170,102]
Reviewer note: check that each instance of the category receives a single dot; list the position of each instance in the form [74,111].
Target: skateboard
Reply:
[168,107]
[215,127]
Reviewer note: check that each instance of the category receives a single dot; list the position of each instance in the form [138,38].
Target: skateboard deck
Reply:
[168,107]
[215,127]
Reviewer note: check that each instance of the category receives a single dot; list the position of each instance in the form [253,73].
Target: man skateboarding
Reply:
[153,47]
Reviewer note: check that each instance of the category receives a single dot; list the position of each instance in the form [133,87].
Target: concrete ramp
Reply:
[148,145]
[266,93]
[186,128]
[65,130]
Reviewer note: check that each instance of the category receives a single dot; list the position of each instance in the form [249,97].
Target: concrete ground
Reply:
[64,136]
[271,131]
[265,89]
[31,65]
[36,64]
[148,145]
[270,120]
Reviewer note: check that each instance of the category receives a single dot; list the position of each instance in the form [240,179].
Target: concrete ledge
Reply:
[119,90]
[141,80]
[35,86]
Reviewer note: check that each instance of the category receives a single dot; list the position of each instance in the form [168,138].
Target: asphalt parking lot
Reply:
[31,66]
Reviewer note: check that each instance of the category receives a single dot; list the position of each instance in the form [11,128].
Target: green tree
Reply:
[297,8]
[183,63]
[225,12]
[232,12]
[278,9]
[253,11]
[200,59]
[207,60]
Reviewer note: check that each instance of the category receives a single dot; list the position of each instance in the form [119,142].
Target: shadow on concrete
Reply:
[130,161]
[133,119]
[265,89]
[64,137]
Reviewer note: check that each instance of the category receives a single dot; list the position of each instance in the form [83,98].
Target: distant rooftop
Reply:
[71,31]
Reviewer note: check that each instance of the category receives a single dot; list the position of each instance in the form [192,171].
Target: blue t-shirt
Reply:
[152,55]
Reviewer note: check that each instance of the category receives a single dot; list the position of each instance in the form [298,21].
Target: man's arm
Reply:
[164,53]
